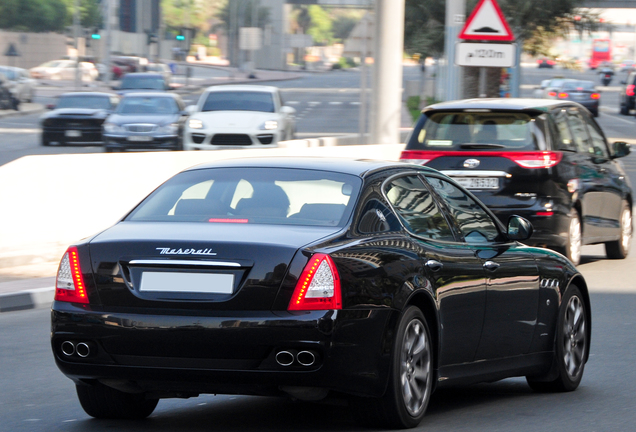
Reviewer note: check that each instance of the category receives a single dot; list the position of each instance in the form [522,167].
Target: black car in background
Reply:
[7,101]
[146,121]
[547,161]
[76,118]
[627,94]
[142,81]
[582,92]
[368,281]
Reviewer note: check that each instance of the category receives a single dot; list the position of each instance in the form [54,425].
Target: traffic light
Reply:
[180,37]
[151,38]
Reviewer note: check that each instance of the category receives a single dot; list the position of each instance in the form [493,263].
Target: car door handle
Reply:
[491,265]
[434,265]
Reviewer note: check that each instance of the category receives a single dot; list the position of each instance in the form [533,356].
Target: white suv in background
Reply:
[238,116]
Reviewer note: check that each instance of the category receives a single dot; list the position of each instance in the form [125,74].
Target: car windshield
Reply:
[556,82]
[578,85]
[253,195]
[131,105]
[239,101]
[142,83]
[89,102]
[9,73]
[459,130]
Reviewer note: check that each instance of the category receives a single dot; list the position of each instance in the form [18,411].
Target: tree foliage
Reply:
[33,15]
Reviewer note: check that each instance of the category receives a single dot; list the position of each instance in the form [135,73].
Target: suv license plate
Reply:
[73,133]
[478,182]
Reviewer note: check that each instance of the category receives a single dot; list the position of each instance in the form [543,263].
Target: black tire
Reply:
[574,239]
[45,141]
[571,346]
[619,249]
[104,402]
[411,377]
[624,110]
[595,113]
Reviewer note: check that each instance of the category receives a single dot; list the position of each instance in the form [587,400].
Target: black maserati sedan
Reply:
[76,118]
[146,121]
[371,282]
[545,160]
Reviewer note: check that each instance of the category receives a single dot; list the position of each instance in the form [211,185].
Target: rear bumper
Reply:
[229,353]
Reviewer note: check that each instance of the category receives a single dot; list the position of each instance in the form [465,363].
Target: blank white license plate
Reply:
[478,182]
[143,138]
[73,133]
[209,283]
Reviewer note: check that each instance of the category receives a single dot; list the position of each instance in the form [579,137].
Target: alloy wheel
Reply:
[574,337]
[415,367]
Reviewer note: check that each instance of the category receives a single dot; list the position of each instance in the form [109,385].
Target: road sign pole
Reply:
[455,14]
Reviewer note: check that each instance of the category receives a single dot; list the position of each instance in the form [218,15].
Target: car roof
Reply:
[357,167]
[239,87]
[89,94]
[512,104]
[144,74]
[150,94]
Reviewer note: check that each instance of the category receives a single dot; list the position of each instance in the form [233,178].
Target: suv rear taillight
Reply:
[545,159]
[69,286]
[629,91]
[318,287]
[539,159]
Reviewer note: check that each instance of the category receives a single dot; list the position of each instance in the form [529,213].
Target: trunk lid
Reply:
[195,266]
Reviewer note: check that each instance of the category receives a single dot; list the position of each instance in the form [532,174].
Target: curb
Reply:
[22,113]
[29,299]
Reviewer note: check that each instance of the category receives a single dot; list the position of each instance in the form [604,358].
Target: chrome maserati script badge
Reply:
[169,251]
[471,163]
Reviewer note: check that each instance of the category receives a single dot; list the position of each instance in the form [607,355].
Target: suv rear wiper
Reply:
[481,146]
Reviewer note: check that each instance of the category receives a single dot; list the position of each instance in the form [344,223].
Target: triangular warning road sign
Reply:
[11,51]
[487,22]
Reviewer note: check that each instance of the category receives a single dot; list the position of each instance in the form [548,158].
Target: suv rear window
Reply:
[460,130]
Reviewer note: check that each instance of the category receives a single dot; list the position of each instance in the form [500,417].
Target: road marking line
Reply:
[335,103]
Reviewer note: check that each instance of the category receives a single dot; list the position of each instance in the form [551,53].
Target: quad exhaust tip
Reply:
[68,348]
[82,349]
[287,358]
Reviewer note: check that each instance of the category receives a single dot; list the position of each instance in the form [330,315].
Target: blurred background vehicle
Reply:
[547,88]
[145,121]
[21,85]
[76,119]
[64,70]
[601,52]
[7,101]
[627,94]
[546,63]
[160,68]
[626,65]
[581,91]
[606,74]
[239,116]
[545,160]
[142,81]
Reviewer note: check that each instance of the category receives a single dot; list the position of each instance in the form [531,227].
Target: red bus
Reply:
[601,52]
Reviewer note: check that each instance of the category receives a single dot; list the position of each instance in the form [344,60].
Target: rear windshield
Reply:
[88,102]
[239,101]
[499,131]
[254,196]
[578,85]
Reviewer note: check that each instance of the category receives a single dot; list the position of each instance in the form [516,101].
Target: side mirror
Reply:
[519,228]
[50,106]
[621,149]
[287,110]
[190,109]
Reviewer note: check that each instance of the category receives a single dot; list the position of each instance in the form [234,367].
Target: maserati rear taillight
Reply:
[69,286]
[318,287]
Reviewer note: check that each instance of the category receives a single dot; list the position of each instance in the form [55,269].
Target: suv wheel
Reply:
[624,110]
[620,248]
[573,245]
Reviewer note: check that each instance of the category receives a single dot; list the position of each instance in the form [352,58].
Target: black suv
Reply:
[547,161]
[627,95]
